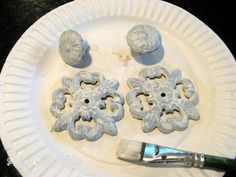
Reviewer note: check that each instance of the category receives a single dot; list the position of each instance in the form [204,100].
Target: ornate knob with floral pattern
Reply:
[72,47]
[144,39]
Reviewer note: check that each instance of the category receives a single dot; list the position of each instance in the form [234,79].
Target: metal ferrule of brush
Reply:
[163,156]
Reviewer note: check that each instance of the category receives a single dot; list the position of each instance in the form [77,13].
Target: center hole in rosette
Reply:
[163,94]
[86,101]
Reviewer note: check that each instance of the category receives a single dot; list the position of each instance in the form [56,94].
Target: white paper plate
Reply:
[34,69]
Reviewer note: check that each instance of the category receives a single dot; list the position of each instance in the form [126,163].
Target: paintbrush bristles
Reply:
[129,150]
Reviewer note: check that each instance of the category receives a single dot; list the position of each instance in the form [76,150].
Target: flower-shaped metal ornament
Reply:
[171,100]
[81,106]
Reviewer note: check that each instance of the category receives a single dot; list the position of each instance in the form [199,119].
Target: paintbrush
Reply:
[159,156]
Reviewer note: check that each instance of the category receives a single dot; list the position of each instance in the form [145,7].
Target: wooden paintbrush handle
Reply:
[219,163]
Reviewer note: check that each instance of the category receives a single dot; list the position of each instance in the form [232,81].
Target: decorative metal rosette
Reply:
[80,106]
[171,100]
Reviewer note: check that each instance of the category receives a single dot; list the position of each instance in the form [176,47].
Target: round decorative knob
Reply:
[72,47]
[144,39]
